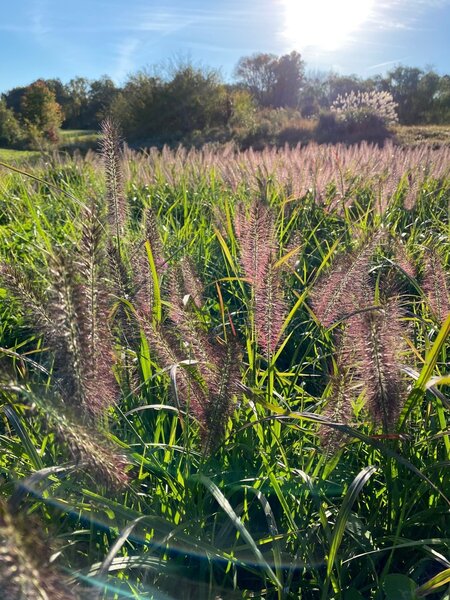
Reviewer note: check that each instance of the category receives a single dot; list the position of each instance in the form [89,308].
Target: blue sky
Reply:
[65,38]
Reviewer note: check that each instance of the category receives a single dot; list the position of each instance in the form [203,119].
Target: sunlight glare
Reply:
[323,24]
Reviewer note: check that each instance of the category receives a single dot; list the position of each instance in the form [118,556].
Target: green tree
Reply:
[341,85]
[100,98]
[403,83]
[272,81]
[195,99]
[289,71]
[441,107]
[10,131]
[13,98]
[314,95]
[427,99]
[150,107]
[256,73]
[77,93]
[139,106]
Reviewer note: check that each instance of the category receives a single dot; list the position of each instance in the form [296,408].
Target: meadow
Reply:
[224,374]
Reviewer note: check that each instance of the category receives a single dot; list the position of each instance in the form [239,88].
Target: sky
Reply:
[90,38]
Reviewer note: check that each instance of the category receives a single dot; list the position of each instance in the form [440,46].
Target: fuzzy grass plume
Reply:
[376,338]
[92,453]
[25,570]
[258,246]
[203,371]
[435,285]
[117,204]
[338,410]
[143,282]
[72,315]
[346,286]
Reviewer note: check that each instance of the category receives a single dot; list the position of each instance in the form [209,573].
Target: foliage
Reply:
[273,81]
[193,105]
[414,91]
[358,116]
[421,96]
[41,114]
[358,107]
[275,127]
[191,100]
[10,131]
[272,101]
[83,102]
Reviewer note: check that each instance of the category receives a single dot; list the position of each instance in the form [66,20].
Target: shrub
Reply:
[329,129]
[359,107]
[358,116]
[10,131]
[274,127]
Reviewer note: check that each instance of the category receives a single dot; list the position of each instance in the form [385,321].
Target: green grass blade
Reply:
[433,584]
[228,509]
[426,373]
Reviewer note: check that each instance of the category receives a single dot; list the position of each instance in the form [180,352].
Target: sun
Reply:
[323,24]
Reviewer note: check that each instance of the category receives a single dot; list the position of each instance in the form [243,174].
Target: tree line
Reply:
[191,104]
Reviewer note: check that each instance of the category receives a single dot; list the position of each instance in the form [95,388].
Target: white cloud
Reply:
[126,50]
[387,63]
[404,14]
[39,22]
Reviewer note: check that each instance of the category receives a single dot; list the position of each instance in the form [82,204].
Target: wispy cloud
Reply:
[38,21]
[171,21]
[403,14]
[387,63]
[125,62]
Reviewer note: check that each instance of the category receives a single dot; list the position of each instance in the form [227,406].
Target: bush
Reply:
[151,108]
[358,116]
[241,110]
[329,129]
[11,133]
[359,107]
[297,131]
[275,127]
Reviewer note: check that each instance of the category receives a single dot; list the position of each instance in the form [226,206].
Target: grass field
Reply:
[84,139]
[70,141]
[224,374]
[17,156]
[408,135]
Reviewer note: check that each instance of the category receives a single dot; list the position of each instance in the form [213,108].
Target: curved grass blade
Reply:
[21,431]
[344,513]
[350,431]
[352,493]
[418,390]
[433,584]
[228,509]
[115,548]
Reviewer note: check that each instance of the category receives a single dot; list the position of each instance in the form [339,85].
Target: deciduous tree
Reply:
[273,81]
[41,113]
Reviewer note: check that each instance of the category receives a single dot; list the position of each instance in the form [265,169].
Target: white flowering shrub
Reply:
[358,107]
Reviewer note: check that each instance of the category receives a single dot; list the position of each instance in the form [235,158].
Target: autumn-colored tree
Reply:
[41,113]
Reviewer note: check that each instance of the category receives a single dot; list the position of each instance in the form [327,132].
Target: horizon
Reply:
[356,37]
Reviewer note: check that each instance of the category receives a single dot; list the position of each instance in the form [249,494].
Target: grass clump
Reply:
[215,365]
